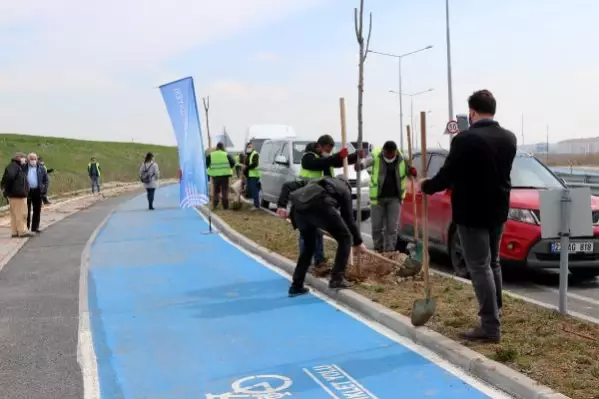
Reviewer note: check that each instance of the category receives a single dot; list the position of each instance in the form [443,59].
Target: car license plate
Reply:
[583,246]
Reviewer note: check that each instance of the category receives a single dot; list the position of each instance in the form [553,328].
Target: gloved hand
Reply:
[343,153]
[412,172]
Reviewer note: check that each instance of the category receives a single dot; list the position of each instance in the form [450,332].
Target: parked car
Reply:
[521,243]
[280,162]
[258,134]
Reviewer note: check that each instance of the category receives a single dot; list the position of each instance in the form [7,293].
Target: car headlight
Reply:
[523,215]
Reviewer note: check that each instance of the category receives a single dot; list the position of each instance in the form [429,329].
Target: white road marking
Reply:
[581,298]
[488,390]
[316,380]
[349,377]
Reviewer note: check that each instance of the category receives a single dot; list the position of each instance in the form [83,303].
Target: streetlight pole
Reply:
[399,57]
[449,80]
[411,95]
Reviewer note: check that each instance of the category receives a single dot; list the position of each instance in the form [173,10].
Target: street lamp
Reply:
[449,80]
[399,57]
[412,95]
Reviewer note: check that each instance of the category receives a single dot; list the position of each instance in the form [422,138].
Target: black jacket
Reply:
[311,162]
[477,170]
[317,197]
[14,181]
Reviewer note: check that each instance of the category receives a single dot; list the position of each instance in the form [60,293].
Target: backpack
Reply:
[145,176]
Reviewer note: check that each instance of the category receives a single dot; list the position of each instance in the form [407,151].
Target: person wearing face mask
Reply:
[15,188]
[37,180]
[388,179]
[252,174]
[41,162]
[477,169]
[317,162]
[220,169]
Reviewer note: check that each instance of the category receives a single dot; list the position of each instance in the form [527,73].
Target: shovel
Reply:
[413,264]
[424,309]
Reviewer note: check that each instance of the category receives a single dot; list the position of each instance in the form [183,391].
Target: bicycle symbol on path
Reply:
[269,386]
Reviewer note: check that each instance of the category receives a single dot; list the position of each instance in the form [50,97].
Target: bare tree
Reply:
[206,101]
[364,46]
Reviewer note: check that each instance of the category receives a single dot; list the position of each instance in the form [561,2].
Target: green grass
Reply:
[69,158]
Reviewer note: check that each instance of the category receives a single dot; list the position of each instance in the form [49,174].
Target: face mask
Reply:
[389,160]
[248,151]
[33,162]
[23,161]
[325,154]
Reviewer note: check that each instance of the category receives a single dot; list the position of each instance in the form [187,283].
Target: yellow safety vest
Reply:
[89,168]
[376,181]
[256,171]
[219,164]
[236,159]
[313,174]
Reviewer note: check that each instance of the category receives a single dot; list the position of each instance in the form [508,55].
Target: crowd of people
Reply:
[477,170]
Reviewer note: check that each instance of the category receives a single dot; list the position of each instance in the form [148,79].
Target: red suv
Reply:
[521,242]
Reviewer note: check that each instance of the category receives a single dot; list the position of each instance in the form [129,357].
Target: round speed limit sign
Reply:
[452,127]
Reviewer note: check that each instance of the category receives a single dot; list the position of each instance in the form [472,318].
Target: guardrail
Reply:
[579,178]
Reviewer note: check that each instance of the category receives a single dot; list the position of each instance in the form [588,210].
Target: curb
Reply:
[487,370]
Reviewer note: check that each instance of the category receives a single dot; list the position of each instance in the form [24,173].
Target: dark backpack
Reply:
[146,177]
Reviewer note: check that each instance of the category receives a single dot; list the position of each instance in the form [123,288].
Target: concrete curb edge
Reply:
[487,370]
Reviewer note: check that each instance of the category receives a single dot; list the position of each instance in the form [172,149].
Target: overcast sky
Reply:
[90,69]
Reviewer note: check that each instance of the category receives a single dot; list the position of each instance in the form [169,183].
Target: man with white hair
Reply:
[37,178]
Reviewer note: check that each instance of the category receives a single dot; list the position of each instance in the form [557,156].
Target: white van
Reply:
[280,162]
[258,134]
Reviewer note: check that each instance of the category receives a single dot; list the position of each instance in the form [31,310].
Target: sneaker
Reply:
[340,284]
[38,231]
[478,335]
[294,291]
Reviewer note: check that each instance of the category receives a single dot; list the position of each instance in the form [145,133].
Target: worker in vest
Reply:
[317,162]
[95,172]
[252,175]
[238,165]
[220,169]
[388,178]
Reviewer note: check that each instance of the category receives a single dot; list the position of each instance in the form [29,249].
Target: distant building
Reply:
[571,146]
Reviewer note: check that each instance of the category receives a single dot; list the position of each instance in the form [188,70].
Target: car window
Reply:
[434,164]
[266,154]
[416,160]
[300,146]
[257,144]
[285,150]
[276,149]
[528,172]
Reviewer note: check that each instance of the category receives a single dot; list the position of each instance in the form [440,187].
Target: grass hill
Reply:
[69,158]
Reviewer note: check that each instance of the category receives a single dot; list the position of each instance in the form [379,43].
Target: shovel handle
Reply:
[381,257]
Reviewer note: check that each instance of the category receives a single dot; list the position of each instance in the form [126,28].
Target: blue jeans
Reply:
[95,183]
[318,250]
[253,190]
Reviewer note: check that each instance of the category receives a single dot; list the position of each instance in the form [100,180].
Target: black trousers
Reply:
[308,224]
[221,191]
[150,194]
[34,209]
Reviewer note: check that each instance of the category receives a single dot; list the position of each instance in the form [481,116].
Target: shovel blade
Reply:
[416,251]
[423,310]
[410,268]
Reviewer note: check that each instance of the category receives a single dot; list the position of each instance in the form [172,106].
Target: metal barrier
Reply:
[580,178]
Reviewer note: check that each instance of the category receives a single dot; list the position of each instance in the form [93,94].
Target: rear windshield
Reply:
[300,146]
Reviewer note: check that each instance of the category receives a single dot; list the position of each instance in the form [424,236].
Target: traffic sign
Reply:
[452,127]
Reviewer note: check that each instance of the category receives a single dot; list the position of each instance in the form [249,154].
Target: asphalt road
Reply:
[583,296]
[39,310]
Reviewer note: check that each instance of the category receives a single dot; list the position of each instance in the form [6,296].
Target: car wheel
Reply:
[455,255]
[365,215]
[584,274]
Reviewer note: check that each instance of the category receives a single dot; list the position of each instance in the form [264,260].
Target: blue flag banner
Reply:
[180,100]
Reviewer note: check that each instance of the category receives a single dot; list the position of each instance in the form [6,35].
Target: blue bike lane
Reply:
[180,313]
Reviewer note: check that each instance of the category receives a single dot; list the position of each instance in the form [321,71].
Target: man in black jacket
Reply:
[318,161]
[15,187]
[321,204]
[477,170]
